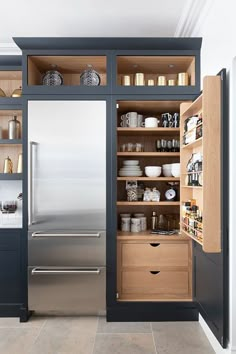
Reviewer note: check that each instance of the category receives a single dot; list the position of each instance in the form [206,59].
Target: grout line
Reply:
[153,338]
[31,347]
[92,352]
[128,333]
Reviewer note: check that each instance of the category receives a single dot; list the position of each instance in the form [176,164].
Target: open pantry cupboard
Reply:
[153,267]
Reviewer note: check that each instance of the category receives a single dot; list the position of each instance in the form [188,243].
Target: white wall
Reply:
[218,50]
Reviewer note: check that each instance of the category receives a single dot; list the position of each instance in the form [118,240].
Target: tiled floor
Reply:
[92,335]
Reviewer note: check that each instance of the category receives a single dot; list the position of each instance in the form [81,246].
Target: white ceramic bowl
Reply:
[176,165]
[153,171]
[167,165]
[131,162]
[167,172]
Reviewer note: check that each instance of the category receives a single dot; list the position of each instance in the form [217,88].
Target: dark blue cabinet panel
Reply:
[10,267]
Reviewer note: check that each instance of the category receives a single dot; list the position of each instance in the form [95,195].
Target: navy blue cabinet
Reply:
[10,272]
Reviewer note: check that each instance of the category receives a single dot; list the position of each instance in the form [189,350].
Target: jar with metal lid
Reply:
[53,77]
[90,77]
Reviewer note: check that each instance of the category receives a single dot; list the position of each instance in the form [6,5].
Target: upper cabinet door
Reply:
[202,169]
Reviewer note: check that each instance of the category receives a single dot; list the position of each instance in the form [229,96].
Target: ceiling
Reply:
[90,18]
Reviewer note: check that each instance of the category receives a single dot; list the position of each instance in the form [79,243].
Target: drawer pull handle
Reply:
[154,272]
[154,244]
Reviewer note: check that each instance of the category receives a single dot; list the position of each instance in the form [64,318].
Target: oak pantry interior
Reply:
[149,276]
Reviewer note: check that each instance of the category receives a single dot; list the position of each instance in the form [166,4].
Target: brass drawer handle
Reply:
[154,272]
[154,244]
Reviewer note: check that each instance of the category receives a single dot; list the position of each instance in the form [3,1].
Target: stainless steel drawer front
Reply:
[70,290]
[67,248]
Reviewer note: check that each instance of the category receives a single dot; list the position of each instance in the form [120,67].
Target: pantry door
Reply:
[211,271]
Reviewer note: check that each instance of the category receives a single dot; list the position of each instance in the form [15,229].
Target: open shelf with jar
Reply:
[200,158]
[10,80]
[10,144]
[165,73]
[58,72]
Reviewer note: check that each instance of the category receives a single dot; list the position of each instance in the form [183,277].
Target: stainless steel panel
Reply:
[67,290]
[63,248]
[68,164]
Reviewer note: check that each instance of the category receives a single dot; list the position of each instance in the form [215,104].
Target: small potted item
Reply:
[90,77]
[52,77]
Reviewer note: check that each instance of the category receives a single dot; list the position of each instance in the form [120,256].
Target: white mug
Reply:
[151,122]
[140,120]
[132,120]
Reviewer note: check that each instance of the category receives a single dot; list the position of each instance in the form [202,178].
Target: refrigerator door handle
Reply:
[47,234]
[65,271]
[31,183]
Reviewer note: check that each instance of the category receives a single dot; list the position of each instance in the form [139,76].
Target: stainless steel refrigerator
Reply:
[67,206]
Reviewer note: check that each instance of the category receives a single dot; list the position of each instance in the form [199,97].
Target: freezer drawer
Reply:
[67,248]
[68,290]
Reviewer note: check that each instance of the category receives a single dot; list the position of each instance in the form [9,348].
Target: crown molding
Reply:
[9,49]
[193,18]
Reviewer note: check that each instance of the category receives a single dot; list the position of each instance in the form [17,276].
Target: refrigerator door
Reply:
[67,165]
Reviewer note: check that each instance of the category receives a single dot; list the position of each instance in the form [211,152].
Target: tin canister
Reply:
[183,79]
[171,82]
[161,81]
[126,80]
[139,79]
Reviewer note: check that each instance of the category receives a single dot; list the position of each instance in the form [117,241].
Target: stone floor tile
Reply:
[17,340]
[124,344]
[180,338]
[122,327]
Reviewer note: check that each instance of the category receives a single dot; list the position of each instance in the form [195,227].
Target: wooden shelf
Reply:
[147,236]
[194,144]
[157,179]
[10,141]
[157,299]
[194,108]
[150,154]
[192,187]
[148,131]
[164,203]
[192,237]
[10,176]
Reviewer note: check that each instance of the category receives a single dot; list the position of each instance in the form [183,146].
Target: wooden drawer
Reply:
[168,284]
[154,254]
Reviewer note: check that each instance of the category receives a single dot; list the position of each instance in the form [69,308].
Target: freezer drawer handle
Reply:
[36,271]
[44,234]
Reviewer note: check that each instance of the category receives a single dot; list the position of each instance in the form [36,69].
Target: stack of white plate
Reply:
[130,168]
